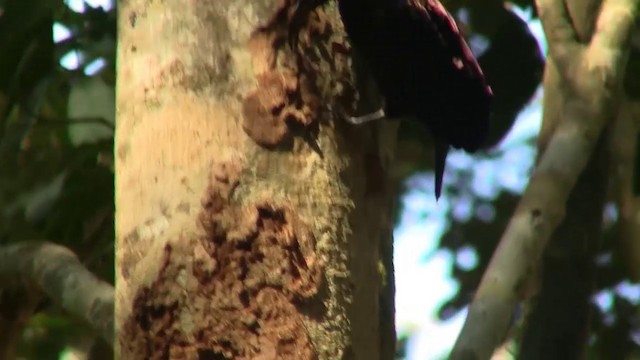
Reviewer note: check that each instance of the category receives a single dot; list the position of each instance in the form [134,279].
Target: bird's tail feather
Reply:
[441,150]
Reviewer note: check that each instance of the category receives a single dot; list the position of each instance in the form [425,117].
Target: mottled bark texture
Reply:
[587,96]
[249,219]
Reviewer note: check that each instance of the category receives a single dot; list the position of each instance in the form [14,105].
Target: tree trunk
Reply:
[249,223]
[559,320]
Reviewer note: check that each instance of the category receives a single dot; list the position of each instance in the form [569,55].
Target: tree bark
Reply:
[249,221]
[592,76]
[558,323]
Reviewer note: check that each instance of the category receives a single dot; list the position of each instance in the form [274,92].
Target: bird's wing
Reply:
[465,119]
[445,26]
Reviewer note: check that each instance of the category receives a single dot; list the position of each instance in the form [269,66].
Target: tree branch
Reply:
[590,101]
[561,36]
[56,271]
[614,28]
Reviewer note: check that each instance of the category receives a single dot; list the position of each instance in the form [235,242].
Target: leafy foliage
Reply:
[53,186]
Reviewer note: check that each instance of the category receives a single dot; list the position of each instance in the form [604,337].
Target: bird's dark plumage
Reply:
[422,67]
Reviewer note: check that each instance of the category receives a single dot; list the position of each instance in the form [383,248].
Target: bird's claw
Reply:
[358,120]
[362,119]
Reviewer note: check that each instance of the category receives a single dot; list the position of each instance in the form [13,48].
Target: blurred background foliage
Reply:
[57,118]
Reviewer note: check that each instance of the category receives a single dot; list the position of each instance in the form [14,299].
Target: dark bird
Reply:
[422,67]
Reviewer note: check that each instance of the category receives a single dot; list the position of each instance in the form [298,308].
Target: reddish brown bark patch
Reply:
[283,105]
[237,293]
[263,109]
[285,102]
[152,328]
[265,268]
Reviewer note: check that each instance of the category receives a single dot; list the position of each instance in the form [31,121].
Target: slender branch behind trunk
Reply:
[558,323]
[591,70]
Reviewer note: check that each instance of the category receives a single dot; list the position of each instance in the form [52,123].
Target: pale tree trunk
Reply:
[249,221]
[558,322]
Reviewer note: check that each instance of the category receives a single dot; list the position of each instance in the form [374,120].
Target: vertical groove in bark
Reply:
[387,139]
[246,227]
[370,248]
